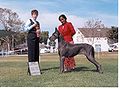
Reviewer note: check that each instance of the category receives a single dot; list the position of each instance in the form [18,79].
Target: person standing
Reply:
[33,28]
[66,29]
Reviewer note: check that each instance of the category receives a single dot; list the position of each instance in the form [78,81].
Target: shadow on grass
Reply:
[50,68]
[77,69]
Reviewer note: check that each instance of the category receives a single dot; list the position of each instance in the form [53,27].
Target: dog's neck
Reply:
[61,41]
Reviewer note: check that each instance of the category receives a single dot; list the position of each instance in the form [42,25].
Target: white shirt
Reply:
[28,25]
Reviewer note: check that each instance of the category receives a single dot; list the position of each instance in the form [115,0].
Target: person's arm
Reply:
[38,31]
[61,31]
[72,29]
[28,25]
[38,28]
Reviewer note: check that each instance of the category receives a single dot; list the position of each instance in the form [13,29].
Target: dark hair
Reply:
[63,17]
[34,11]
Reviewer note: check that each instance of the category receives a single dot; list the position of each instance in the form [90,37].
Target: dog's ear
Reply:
[56,29]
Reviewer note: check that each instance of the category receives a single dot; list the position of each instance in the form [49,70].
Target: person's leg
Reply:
[66,64]
[31,49]
[72,63]
[37,50]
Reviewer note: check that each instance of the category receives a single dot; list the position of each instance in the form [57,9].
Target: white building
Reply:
[96,37]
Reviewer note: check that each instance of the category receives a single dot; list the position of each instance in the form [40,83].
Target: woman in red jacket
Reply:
[66,29]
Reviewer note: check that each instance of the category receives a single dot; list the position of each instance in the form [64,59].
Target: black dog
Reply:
[69,50]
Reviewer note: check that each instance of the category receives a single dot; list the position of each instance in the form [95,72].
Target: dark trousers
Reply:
[33,47]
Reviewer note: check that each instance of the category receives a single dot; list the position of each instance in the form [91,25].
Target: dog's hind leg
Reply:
[92,60]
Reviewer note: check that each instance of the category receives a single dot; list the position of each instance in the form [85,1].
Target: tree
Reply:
[112,35]
[20,38]
[6,38]
[44,37]
[92,25]
[10,22]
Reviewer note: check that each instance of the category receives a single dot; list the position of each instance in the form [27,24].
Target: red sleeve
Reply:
[72,29]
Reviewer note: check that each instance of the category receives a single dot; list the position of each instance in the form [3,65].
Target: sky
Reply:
[77,11]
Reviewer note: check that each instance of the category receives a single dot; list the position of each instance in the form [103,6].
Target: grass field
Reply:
[13,72]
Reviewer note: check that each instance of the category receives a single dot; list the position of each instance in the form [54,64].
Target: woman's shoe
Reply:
[73,68]
[67,70]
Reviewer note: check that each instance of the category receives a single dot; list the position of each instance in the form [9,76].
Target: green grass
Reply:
[13,72]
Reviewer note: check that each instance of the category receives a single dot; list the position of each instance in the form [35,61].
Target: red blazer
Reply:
[67,31]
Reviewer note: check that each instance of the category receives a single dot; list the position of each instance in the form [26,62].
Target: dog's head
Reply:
[55,35]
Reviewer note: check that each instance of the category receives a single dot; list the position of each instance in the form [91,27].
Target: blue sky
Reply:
[77,11]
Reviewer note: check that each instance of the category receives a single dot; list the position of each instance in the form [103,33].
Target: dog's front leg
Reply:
[62,64]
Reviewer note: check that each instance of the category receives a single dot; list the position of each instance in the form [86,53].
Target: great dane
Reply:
[70,50]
